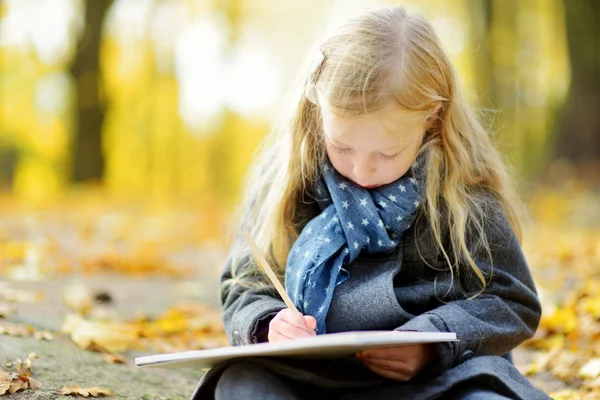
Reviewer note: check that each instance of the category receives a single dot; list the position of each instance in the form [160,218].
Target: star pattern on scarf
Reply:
[352,219]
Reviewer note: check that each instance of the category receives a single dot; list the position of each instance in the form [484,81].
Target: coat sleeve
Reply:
[503,316]
[248,303]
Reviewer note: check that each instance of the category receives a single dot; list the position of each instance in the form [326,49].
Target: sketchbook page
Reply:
[332,345]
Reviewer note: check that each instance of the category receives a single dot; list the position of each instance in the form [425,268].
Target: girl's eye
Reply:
[340,150]
[390,158]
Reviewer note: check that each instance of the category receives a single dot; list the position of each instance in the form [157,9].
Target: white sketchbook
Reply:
[331,345]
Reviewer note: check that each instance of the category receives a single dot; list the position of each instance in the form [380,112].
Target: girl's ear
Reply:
[434,114]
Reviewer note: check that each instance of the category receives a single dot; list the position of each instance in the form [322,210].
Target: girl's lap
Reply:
[250,380]
[475,392]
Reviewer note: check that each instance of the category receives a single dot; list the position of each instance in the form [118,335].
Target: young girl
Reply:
[384,205]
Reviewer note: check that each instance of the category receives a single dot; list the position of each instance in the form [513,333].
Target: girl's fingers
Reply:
[310,322]
[389,374]
[294,318]
[289,324]
[393,366]
[292,331]
[275,336]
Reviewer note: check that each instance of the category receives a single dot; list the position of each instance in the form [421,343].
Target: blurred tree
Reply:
[480,26]
[221,158]
[495,29]
[88,160]
[9,157]
[579,133]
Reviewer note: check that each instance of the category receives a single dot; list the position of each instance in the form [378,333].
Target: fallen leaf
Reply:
[93,391]
[113,358]
[12,329]
[78,298]
[112,337]
[20,368]
[33,384]
[21,296]
[17,385]
[43,335]
[6,311]
[565,394]
[25,368]
[14,250]
[13,382]
[4,376]
[103,313]
[591,369]
[562,320]
[593,384]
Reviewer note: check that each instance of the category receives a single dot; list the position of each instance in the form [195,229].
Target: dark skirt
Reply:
[485,377]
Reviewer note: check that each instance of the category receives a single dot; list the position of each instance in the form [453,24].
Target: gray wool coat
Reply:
[409,288]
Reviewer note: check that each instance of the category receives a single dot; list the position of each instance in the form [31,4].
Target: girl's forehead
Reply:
[392,125]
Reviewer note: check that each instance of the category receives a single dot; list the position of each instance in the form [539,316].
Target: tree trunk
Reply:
[88,160]
[578,138]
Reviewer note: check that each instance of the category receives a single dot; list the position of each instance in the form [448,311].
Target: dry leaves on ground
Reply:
[93,391]
[185,326]
[16,329]
[6,311]
[569,342]
[110,337]
[12,382]
[101,239]
[564,254]
[78,298]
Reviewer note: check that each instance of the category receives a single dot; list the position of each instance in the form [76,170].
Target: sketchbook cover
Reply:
[331,345]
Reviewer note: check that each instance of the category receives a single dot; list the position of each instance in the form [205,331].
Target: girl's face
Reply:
[375,149]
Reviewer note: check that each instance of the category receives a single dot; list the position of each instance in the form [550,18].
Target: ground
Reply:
[62,363]
[130,260]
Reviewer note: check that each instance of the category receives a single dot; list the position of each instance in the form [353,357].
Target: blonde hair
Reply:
[375,58]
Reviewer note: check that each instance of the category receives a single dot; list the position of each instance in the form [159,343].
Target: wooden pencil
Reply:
[269,271]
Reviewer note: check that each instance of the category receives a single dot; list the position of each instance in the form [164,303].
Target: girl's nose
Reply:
[363,170]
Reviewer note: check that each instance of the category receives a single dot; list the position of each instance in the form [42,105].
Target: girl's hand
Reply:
[400,363]
[289,325]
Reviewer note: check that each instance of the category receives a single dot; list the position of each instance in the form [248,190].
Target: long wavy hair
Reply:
[377,57]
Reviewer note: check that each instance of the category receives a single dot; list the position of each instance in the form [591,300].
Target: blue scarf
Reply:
[352,219]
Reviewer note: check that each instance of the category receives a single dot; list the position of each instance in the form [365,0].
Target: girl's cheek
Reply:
[338,162]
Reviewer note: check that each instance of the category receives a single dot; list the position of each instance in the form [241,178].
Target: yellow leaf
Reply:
[78,298]
[566,394]
[14,250]
[113,358]
[93,391]
[17,385]
[43,335]
[591,305]
[6,311]
[33,384]
[593,384]
[11,329]
[591,369]
[112,337]
[562,320]
[4,376]
[548,343]
[21,296]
